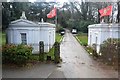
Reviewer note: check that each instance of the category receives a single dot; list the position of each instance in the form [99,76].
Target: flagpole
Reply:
[56,18]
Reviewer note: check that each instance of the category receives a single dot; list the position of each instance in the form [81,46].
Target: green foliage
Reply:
[2,38]
[83,39]
[41,57]
[34,57]
[89,49]
[92,51]
[109,51]
[5,15]
[59,28]
[51,53]
[34,11]
[12,11]
[83,26]
[17,54]
[58,37]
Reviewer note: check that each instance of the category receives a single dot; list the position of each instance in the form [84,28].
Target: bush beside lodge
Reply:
[110,51]
[16,54]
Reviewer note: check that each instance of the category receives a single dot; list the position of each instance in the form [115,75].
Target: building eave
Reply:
[105,25]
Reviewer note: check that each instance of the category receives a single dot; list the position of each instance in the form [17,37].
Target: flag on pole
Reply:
[105,11]
[52,13]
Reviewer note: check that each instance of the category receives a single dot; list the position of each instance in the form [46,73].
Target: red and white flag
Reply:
[105,11]
[52,13]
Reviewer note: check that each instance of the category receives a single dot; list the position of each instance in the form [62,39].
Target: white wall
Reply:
[102,32]
[35,34]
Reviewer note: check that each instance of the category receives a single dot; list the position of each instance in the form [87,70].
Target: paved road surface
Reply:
[38,70]
[78,64]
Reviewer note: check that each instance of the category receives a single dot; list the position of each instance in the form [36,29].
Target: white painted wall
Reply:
[102,32]
[35,33]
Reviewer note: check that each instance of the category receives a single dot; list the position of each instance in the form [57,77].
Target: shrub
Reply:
[92,51]
[89,49]
[109,50]
[59,29]
[84,44]
[17,54]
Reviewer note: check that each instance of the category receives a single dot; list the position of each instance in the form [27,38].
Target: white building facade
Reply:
[97,33]
[31,33]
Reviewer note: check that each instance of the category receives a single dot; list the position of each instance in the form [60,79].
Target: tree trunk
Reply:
[118,16]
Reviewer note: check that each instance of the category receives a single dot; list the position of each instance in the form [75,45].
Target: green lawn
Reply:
[58,37]
[2,38]
[83,38]
[51,53]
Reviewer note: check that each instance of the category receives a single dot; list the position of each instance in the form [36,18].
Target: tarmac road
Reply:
[78,64]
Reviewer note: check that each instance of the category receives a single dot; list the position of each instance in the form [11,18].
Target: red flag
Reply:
[105,11]
[52,13]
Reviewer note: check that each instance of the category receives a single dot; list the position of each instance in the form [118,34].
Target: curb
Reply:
[61,39]
[77,38]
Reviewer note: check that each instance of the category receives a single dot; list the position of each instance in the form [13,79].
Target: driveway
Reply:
[38,70]
[78,64]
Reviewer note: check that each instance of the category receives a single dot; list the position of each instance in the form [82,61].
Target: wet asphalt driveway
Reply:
[78,64]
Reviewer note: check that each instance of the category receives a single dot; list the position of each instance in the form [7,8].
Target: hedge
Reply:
[16,54]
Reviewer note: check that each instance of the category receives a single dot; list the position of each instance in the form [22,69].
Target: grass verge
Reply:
[58,37]
[2,38]
[82,39]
